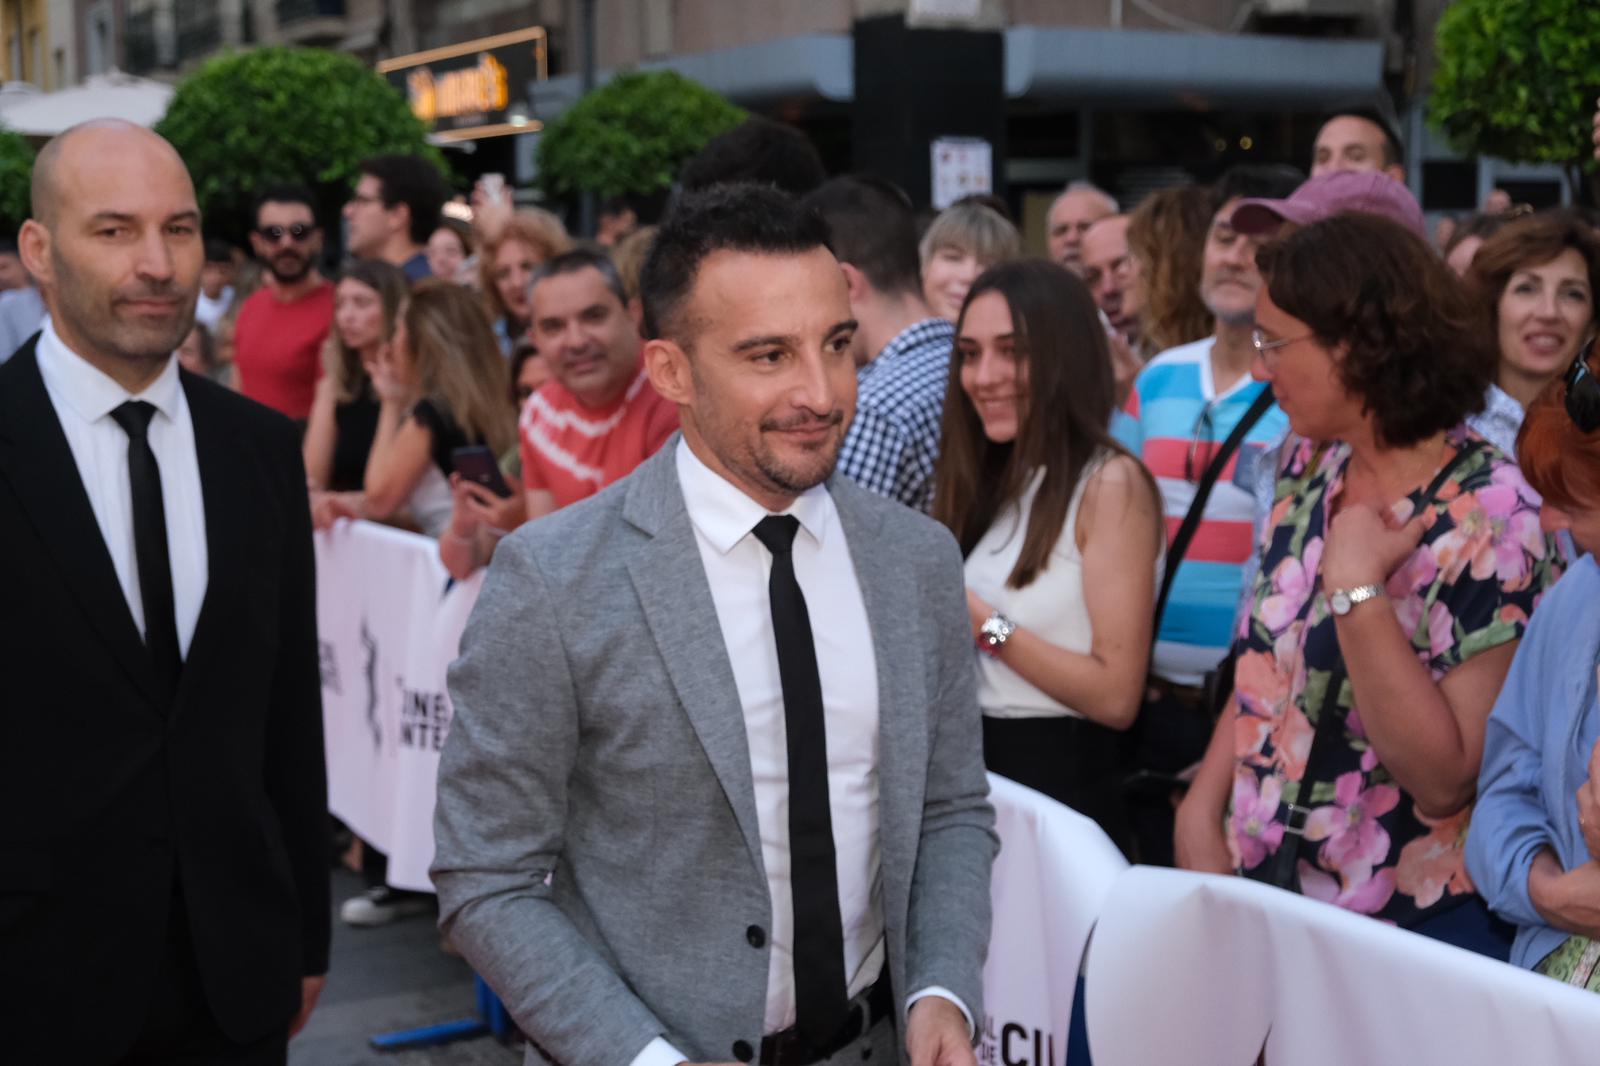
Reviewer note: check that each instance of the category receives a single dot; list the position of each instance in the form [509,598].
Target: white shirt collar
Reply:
[724,515]
[91,393]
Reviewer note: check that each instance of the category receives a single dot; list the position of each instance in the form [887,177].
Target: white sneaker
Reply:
[382,905]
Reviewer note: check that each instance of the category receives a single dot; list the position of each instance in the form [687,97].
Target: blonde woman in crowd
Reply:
[961,243]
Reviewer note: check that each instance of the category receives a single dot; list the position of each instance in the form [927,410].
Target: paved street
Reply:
[389,978]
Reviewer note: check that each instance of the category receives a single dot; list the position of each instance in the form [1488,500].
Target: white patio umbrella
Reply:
[110,95]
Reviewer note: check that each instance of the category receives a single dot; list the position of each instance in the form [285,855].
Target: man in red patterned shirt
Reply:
[598,417]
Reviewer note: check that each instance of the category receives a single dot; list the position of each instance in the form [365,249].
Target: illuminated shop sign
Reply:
[473,90]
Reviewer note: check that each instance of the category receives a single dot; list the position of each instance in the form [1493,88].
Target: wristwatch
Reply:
[994,633]
[1341,600]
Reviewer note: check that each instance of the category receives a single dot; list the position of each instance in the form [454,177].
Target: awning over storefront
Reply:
[1146,68]
[110,95]
[808,67]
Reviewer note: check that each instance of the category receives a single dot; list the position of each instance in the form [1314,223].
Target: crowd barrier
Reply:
[1181,968]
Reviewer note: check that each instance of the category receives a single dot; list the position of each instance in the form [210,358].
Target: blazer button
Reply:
[743,1051]
[756,935]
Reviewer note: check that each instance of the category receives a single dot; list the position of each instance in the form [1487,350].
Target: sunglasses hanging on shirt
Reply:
[1583,392]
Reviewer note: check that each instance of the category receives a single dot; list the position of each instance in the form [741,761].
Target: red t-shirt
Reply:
[277,348]
[573,452]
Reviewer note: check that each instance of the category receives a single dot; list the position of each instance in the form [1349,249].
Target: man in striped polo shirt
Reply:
[1183,405]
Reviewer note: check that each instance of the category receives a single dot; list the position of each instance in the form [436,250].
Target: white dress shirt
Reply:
[83,398]
[738,567]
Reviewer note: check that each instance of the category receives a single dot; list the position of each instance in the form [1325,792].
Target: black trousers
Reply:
[1072,760]
[179,1029]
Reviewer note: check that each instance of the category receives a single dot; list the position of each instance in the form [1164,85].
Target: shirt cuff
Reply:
[659,1053]
[932,990]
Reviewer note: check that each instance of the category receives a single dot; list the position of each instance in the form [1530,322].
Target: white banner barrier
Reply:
[1204,970]
[1051,879]
[388,631]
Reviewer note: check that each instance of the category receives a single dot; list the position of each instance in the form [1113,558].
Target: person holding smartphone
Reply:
[441,384]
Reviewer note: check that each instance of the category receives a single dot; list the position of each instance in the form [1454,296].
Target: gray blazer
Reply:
[598,859]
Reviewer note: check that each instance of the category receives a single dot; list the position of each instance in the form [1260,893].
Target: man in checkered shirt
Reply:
[902,348]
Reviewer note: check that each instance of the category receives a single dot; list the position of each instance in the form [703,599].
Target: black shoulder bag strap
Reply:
[1202,493]
[1330,722]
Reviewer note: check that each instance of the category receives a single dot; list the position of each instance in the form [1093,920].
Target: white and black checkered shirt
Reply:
[894,441]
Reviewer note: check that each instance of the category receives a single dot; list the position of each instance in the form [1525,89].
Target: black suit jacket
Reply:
[111,797]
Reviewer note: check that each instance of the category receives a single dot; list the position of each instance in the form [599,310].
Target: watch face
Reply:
[1340,602]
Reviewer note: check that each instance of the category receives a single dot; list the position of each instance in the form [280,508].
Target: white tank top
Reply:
[1052,607]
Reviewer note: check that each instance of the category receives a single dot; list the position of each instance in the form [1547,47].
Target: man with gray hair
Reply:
[1080,205]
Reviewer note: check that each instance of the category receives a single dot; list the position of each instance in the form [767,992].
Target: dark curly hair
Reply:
[1416,352]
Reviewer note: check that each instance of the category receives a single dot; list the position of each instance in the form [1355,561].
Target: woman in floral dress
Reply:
[1400,565]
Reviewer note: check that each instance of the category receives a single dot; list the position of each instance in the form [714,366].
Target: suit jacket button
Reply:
[743,1051]
[756,935]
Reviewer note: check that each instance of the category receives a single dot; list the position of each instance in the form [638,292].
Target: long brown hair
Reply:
[343,363]
[1167,235]
[457,361]
[1062,426]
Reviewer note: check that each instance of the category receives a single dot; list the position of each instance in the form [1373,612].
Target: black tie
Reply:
[821,1003]
[150,544]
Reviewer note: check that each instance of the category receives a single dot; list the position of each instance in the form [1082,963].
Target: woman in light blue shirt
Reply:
[1527,850]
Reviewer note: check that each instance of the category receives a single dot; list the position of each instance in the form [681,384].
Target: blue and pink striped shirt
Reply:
[1177,422]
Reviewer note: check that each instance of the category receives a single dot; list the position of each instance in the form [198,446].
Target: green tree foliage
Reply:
[16,175]
[268,116]
[1518,79]
[631,135]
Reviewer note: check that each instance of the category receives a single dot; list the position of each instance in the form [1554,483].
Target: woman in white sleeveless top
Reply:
[1061,529]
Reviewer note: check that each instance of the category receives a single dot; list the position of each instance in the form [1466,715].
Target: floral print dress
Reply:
[1359,840]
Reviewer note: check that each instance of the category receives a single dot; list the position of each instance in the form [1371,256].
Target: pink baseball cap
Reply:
[1334,194]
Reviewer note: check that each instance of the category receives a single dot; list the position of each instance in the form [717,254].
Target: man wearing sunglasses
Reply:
[283,325]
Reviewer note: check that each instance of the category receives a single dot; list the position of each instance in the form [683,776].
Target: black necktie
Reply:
[821,1003]
[150,544]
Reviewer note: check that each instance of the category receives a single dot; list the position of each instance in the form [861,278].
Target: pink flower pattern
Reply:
[1471,584]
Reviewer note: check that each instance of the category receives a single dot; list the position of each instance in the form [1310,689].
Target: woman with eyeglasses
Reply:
[344,412]
[1061,530]
[1398,569]
[1534,848]
[1537,280]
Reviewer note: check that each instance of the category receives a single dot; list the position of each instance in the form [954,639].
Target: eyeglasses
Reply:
[1200,442]
[296,233]
[1583,393]
[1263,346]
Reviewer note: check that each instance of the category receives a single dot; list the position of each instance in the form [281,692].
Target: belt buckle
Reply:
[1288,822]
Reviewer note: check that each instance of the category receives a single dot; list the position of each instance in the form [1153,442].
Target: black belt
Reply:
[789,1048]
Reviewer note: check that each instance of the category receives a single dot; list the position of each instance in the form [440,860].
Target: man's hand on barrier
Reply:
[1568,900]
[1589,805]
[936,1034]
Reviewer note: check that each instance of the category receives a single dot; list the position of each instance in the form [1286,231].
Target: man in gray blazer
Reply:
[714,788]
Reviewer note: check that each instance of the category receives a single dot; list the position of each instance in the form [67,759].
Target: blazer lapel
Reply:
[676,598]
[223,480]
[37,461]
[894,608]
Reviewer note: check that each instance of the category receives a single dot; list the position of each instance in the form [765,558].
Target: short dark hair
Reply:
[872,227]
[1417,353]
[414,181]
[284,194]
[582,259]
[757,150]
[1264,181]
[1394,150]
[219,251]
[745,217]
[8,246]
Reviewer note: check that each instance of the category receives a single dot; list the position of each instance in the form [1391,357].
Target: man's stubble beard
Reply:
[101,328]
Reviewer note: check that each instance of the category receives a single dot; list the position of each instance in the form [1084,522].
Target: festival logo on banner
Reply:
[369,645]
[1015,1045]
[424,719]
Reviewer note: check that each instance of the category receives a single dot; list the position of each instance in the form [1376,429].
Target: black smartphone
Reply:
[477,463]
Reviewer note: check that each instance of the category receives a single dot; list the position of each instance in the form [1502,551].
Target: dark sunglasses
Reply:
[297,232]
[1583,393]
